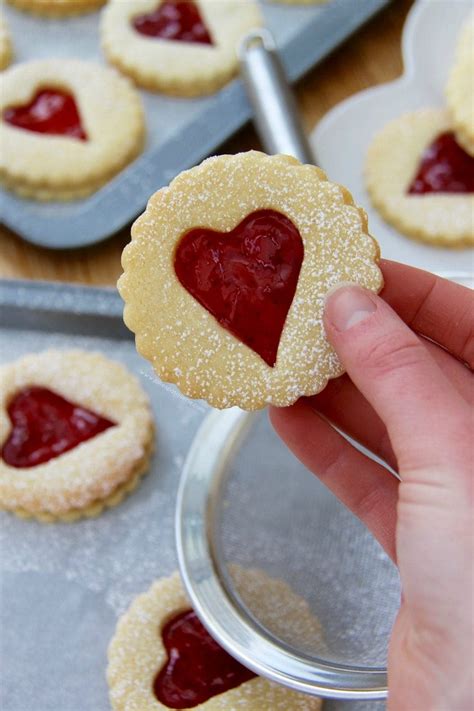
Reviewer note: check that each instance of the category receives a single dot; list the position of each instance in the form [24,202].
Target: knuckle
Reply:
[369,503]
[394,353]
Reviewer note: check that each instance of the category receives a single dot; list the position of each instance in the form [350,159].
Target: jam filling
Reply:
[45,425]
[445,167]
[245,278]
[197,667]
[50,111]
[178,20]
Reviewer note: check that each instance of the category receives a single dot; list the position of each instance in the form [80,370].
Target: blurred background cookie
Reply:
[180,48]
[60,133]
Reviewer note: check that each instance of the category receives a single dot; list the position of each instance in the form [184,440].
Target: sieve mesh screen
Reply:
[274,515]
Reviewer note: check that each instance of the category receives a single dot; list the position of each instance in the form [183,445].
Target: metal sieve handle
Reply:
[273,104]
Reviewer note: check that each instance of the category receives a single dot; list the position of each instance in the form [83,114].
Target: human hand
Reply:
[409,400]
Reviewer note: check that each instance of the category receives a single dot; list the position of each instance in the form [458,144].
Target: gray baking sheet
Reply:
[64,585]
[181,132]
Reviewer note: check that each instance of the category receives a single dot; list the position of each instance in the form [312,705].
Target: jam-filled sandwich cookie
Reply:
[161,656]
[460,89]
[225,278]
[180,47]
[57,8]
[76,435]
[59,131]
[422,180]
[5,44]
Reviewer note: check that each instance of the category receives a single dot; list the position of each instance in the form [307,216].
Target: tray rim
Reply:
[229,111]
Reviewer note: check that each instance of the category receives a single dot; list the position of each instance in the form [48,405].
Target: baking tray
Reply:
[63,585]
[181,132]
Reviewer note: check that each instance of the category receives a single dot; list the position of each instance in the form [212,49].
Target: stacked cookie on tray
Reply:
[420,167]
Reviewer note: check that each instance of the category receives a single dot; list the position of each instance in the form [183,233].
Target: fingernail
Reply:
[348,306]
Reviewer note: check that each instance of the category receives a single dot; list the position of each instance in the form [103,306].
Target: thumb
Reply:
[393,369]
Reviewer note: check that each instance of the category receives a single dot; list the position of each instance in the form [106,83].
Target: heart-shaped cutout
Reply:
[197,668]
[444,167]
[45,425]
[178,20]
[50,111]
[245,278]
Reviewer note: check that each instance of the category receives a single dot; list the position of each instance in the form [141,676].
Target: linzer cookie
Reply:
[57,8]
[180,47]
[162,657]
[225,278]
[76,435]
[5,44]
[66,128]
[422,180]
[460,89]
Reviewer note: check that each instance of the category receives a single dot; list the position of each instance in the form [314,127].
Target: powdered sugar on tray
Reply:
[79,576]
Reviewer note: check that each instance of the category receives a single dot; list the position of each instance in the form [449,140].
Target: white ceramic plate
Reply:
[341,139]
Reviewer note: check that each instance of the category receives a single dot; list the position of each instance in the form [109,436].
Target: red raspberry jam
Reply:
[445,167]
[197,667]
[174,20]
[245,278]
[50,111]
[45,425]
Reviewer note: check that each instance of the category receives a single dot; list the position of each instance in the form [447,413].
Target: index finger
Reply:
[434,307]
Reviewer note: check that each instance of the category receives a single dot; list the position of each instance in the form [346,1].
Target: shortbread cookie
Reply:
[421,180]
[176,46]
[66,128]
[57,8]
[76,434]
[225,278]
[460,89]
[5,44]
[141,677]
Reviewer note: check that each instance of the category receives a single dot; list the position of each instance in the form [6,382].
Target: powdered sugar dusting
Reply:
[136,653]
[200,356]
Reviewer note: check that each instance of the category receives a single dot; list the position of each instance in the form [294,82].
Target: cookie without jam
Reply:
[53,166]
[100,451]
[393,162]
[137,653]
[212,329]
[170,63]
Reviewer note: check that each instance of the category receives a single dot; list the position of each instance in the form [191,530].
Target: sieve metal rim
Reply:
[201,479]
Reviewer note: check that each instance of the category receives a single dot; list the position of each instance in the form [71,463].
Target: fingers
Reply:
[400,379]
[432,306]
[344,405]
[364,486]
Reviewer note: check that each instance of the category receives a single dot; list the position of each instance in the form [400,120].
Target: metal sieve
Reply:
[245,500]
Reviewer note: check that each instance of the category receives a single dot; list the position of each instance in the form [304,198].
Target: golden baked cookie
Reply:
[141,677]
[76,434]
[175,46]
[460,89]
[5,44]
[57,8]
[225,278]
[421,180]
[60,133]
